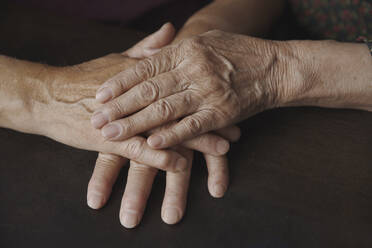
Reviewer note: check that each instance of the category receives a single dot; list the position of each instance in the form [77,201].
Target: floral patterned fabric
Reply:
[342,20]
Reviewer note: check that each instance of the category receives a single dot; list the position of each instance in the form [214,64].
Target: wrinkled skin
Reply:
[209,81]
[141,176]
[58,102]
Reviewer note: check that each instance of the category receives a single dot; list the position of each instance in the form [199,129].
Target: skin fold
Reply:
[240,13]
[252,75]
[217,79]
[58,102]
[141,176]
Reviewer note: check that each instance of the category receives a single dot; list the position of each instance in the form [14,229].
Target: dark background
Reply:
[300,177]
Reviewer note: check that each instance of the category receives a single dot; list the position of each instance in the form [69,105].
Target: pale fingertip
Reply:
[111,131]
[104,94]
[99,119]
[218,190]
[222,147]
[129,219]
[95,201]
[171,215]
[155,141]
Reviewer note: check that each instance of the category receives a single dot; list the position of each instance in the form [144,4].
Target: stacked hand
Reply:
[216,79]
[62,109]
[141,176]
[206,82]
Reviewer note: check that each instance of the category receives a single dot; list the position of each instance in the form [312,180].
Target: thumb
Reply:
[152,43]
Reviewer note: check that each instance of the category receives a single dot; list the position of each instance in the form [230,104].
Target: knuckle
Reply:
[164,108]
[114,109]
[203,68]
[149,91]
[188,100]
[107,160]
[144,68]
[215,114]
[164,160]
[127,127]
[141,169]
[193,43]
[134,148]
[194,125]
[116,84]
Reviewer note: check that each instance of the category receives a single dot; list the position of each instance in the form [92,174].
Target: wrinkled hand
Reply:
[141,176]
[208,82]
[67,103]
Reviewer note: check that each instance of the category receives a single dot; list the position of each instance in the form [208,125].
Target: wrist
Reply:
[20,94]
[330,74]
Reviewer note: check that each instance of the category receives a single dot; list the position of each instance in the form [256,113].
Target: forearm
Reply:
[36,97]
[333,74]
[20,84]
[253,17]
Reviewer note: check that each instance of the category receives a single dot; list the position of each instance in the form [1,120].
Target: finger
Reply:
[152,43]
[156,114]
[138,97]
[208,143]
[218,175]
[188,128]
[164,61]
[137,191]
[177,184]
[105,173]
[231,133]
[138,150]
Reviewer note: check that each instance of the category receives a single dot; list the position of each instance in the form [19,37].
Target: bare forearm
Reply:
[30,93]
[253,17]
[20,84]
[337,75]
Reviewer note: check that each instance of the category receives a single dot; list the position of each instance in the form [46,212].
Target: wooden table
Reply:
[300,177]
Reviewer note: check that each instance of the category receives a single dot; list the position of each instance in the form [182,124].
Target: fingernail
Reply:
[155,141]
[95,201]
[219,190]
[99,119]
[129,220]
[222,147]
[111,131]
[181,164]
[171,215]
[104,94]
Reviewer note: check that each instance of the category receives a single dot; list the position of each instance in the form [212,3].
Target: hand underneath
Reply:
[140,179]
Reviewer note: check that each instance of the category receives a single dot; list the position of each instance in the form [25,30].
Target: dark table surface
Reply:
[300,177]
